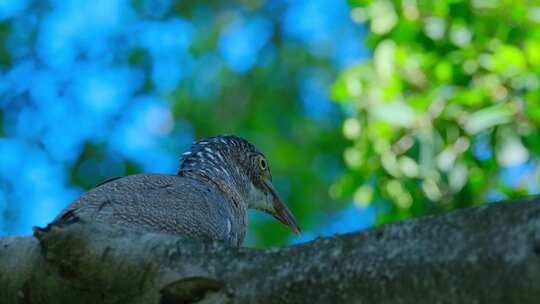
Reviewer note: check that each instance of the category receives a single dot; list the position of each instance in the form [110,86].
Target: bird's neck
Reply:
[227,179]
[232,183]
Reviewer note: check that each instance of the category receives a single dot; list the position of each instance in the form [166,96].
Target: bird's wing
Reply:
[157,203]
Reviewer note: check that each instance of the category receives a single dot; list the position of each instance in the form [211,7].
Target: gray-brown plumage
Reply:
[218,180]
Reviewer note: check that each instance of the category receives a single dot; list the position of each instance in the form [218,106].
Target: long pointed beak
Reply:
[282,212]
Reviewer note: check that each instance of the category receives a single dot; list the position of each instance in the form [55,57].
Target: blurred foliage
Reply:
[446,106]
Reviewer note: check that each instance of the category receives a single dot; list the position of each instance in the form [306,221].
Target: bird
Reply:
[219,178]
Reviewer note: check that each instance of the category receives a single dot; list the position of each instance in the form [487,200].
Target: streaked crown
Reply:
[219,155]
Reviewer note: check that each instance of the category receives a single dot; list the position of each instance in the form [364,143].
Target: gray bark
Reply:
[485,254]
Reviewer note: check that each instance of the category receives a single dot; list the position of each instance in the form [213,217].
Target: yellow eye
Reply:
[262,163]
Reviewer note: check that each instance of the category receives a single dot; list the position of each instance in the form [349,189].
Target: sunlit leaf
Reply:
[390,164]
[431,190]
[408,166]
[443,71]
[446,159]
[510,150]
[353,157]
[532,51]
[533,105]
[488,117]
[339,91]
[351,128]
[363,196]
[395,113]
[383,16]
[508,60]
[384,59]
[460,35]
[470,97]
[458,176]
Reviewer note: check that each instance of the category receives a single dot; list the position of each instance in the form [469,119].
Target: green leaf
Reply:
[396,113]
[489,117]
[508,60]
[532,52]
[443,71]
[338,91]
[470,97]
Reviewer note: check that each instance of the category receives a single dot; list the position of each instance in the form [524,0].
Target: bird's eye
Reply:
[262,163]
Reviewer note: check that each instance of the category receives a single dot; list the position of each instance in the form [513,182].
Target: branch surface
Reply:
[485,254]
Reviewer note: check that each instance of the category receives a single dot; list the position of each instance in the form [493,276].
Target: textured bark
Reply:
[485,254]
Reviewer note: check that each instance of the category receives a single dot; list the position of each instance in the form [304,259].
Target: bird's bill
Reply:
[282,212]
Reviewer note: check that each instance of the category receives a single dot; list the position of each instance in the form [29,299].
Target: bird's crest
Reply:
[215,151]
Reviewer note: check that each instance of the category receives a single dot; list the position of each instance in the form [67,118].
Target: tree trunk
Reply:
[485,254]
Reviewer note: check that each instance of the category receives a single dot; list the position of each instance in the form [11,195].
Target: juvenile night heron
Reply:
[219,179]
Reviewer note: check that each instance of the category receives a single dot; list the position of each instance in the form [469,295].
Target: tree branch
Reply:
[486,254]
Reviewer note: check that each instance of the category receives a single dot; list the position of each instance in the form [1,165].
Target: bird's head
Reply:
[263,196]
[238,162]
